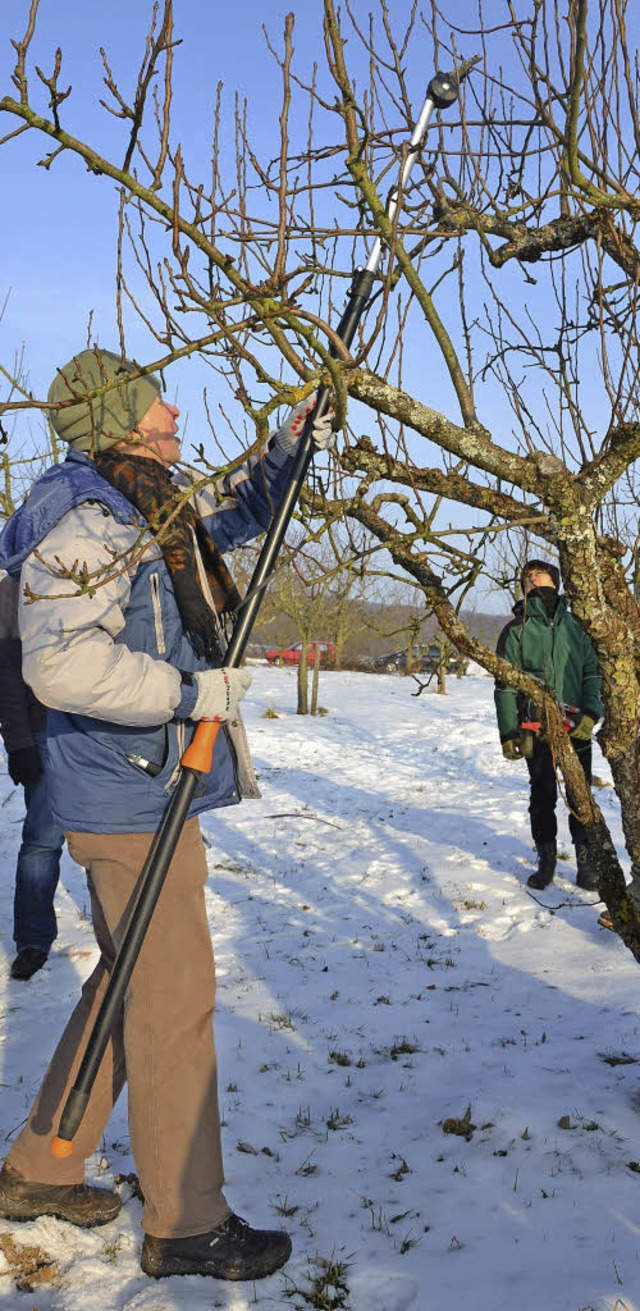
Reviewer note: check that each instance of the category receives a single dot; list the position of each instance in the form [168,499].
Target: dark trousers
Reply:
[38,867]
[544,793]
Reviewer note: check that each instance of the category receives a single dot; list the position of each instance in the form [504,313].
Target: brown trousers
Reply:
[162,1046]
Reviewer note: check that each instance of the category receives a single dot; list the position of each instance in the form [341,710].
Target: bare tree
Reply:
[509,291]
[305,593]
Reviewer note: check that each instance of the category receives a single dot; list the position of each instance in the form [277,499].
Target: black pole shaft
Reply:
[150,883]
[356,306]
[167,836]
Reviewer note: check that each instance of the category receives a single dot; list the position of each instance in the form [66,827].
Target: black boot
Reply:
[27,963]
[587,876]
[80,1204]
[232,1251]
[546,866]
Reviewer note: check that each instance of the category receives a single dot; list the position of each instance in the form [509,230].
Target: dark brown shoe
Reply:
[232,1251]
[80,1204]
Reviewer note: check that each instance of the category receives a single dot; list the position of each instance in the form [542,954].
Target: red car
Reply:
[290,655]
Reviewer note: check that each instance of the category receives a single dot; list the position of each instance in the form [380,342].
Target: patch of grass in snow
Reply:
[337,1120]
[301,1123]
[340,1058]
[469,903]
[403,1047]
[401,1171]
[326,1288]
[285,1207]
[460,1125]
[111,1249]
[236,869]
[307,1167]
[372,1095]
[408,1242]
[280,1020]
[379,1221]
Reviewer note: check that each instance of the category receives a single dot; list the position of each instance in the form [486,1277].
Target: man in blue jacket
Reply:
[544,640]
[127,667]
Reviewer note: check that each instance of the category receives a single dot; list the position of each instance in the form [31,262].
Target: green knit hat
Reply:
[92,422]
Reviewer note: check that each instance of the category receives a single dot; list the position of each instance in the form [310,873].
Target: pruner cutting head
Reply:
[443,90]
[444,87]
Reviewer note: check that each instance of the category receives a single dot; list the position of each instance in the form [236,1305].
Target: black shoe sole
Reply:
[36,1213]
[81,1214]
[237,1272]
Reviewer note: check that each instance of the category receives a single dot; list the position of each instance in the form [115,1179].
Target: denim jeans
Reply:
[38,868]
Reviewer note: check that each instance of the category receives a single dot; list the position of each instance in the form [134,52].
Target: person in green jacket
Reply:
[543,639]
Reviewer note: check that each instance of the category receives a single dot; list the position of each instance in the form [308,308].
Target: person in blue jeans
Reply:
[23,728]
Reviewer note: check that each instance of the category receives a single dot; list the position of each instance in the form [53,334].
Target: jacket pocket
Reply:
[154,584]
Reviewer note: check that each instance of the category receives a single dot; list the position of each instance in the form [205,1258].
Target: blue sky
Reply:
[59,233]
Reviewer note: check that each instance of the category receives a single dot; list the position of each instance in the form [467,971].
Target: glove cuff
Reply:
[285,439]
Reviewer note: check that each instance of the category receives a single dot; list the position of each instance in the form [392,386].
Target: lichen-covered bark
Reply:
[473,443]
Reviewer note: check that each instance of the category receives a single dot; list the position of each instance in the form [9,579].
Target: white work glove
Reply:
[324,439]
[219,693]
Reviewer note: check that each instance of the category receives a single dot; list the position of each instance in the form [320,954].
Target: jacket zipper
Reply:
[180,735]
[154,582]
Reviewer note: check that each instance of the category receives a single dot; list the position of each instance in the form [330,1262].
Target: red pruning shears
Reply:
[570,717]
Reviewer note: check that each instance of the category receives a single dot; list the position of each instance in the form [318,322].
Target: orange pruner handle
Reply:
[61,1147]
[533,725]
[199,753]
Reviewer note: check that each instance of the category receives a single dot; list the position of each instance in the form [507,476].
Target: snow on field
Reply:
[383,978]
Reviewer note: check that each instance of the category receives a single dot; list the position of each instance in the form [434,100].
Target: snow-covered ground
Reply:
[382,972]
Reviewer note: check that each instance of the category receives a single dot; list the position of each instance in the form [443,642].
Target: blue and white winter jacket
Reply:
[108,664]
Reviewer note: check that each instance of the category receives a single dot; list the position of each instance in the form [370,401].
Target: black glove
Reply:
[25,765]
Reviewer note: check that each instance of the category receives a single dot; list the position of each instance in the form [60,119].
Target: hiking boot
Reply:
[27,963]
[587,876]
[80,1204]
[232,1251]
[546,866]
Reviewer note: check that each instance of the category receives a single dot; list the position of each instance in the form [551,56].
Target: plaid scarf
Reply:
[149,487]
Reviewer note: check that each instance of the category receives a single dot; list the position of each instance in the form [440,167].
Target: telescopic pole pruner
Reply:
[197,759]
